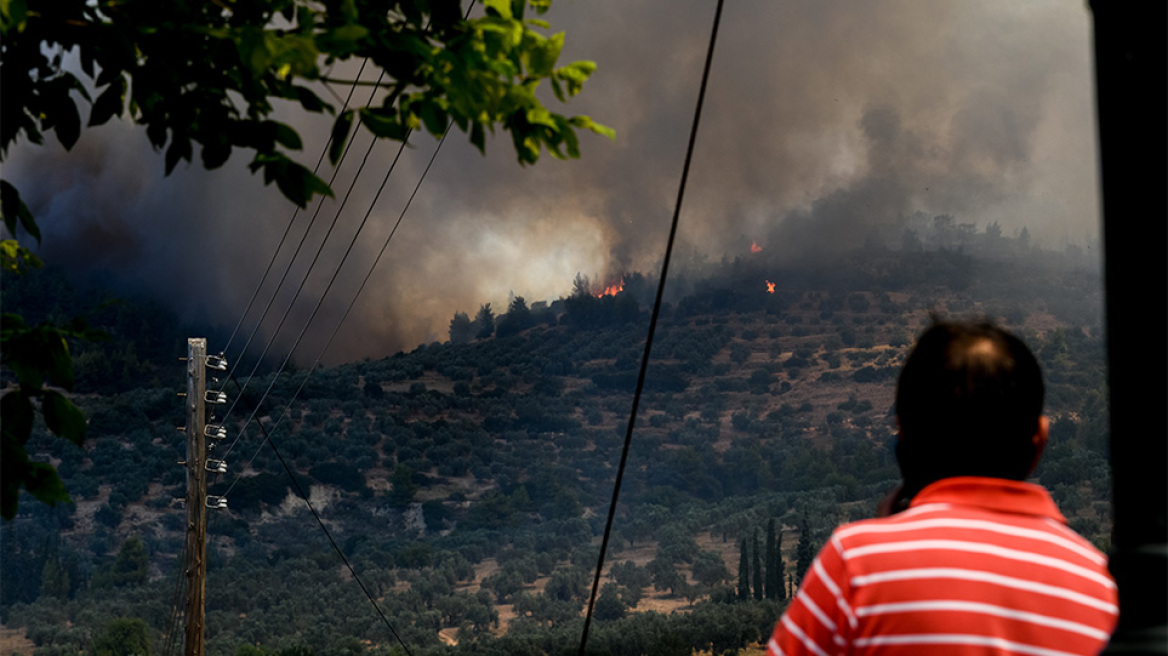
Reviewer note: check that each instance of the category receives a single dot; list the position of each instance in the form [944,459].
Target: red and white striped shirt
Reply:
[974,566]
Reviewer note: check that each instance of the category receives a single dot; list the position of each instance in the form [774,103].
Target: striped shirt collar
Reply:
[997,494]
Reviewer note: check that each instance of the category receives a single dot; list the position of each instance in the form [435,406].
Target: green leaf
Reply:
[503,68]
[542,54]
[310,101]
[16,416]
[87,59]
[13,15]
[255,50]
[312,183]
[66,121]
[11,323]
[156,133]
[293,54]
[57,362]
[44,484]
[540,116]
[30,375]
[383,125]
[343,41]
[501,8]
[15,258]
[111,102]
[14,210]
[14,468]
[571,142]
[587,123]
[286,136]
[215,153]
[35,353]
[574,75]
[180,149]
[433,116]
[297,183]
[63,417]
[340,135]
[478,137]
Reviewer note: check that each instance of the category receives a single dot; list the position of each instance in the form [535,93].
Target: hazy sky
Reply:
[824,122]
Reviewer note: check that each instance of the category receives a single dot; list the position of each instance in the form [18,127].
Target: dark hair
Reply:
[969,401]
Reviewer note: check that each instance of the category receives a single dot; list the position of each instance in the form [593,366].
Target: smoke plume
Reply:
[825,124]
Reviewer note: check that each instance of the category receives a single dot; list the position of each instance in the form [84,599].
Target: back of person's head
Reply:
[969,401]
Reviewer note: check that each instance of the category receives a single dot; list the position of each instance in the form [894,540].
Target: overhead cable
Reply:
[652,329]
[320,299]
[329,535]
[296,253]
[352,302]
[292,219]
[348,250]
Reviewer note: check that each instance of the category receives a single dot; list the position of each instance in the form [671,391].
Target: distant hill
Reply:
[468,482]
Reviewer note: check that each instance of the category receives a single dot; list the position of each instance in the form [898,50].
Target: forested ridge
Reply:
[467,481]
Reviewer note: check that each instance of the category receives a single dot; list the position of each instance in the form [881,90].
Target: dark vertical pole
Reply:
[1131,81]
[196,566]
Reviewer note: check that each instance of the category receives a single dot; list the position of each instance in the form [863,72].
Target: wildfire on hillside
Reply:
[770,287]
[755,248]
[612,290]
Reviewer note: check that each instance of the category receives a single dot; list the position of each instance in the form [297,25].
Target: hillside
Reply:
[468,482]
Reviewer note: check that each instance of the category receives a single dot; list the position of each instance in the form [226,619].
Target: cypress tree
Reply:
[743,571]
[54,577]
[757,573]
[131,567]
[804,551]
[772,583]
[780,579]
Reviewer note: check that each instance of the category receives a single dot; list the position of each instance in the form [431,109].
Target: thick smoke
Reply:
[825,124]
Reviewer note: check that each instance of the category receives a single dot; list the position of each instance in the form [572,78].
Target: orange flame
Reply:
[755,248]
[612,290]
[770,287]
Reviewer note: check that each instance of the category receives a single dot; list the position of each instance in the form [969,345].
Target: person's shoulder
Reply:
[1081,545]
[899,525]
[943,521]
[859,529]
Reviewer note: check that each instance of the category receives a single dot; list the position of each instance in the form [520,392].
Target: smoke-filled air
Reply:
[827,125]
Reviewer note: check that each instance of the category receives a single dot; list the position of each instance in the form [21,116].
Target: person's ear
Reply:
[1039,441]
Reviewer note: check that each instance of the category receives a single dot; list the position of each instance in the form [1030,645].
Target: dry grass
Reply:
[14,641]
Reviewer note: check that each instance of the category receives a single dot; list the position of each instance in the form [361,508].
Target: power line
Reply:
[352,302]
[652,328]
[172,625]
[316,258]
[292,219]
[320,301]
[324,294]
[344,257]
[336,170]
[296,253]
[329,535]
[267,435]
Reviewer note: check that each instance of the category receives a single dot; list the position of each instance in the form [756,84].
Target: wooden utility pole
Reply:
[196,546]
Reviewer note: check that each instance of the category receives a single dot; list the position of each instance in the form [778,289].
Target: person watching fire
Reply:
[968,557]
